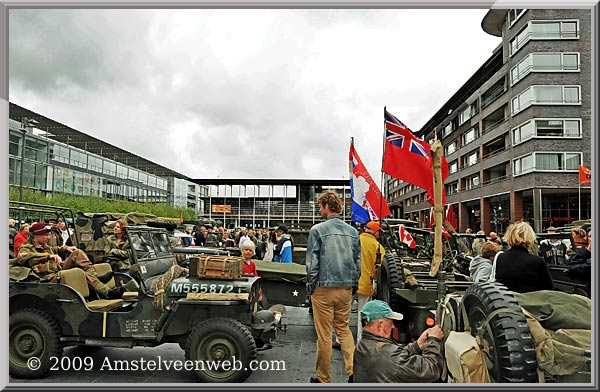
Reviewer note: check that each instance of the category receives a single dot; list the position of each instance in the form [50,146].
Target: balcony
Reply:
[491,96]
[496,180]
[493,153]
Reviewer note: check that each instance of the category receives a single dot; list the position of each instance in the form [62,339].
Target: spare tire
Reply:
[508,344]
[392,277]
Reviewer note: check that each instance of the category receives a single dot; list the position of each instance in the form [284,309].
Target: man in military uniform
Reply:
[44,260]
[56,238]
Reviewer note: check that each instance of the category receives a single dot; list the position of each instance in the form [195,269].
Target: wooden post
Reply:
[438,208]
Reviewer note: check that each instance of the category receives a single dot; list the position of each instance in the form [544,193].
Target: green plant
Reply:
[98,204]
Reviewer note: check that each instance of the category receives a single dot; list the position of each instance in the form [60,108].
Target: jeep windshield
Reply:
[150,243]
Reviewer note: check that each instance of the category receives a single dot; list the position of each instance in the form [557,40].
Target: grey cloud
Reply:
[55,49]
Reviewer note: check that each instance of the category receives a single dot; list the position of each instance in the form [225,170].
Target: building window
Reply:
[544,62]
[464,115]
[547,127]
[471,159]
[544,30]
[470,135]
[447,130]
[451,147]
[547,161]
[472,182]
[546,95]
[514,15]
[453,167]
[452,188]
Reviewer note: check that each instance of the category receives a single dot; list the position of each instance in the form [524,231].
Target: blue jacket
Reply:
[332,255]
[283,251]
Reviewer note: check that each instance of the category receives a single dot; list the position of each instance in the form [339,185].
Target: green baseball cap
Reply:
[377,309]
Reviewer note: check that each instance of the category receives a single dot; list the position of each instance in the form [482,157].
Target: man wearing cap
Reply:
[45,261]
[284,247]
[380,359]
[332,271]
[372,253]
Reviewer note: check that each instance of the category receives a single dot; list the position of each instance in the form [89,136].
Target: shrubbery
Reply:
[98,204]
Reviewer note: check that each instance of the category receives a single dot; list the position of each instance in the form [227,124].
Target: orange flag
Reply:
[181,218]
[585,175]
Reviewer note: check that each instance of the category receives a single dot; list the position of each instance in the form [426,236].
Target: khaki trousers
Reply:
[331,307]
[78,259]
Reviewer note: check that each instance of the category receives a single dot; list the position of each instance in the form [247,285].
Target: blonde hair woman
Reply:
[516,268]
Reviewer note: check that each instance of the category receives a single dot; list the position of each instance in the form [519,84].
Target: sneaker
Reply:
[351,379]
[314,379]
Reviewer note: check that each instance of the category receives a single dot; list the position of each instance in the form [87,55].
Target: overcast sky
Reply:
[243,93]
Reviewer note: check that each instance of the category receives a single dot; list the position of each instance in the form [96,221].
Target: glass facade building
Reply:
[51,165]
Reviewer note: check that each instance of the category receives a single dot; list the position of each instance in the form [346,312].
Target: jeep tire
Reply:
[509,347]
[32,334]
[221,339]
[392,277]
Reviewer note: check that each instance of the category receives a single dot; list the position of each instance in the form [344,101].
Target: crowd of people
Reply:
[340,263]
[270,245]
[520,261]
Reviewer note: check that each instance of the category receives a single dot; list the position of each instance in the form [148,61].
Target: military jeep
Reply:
[212,320]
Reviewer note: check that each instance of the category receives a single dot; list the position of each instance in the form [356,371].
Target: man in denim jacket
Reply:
[332,271]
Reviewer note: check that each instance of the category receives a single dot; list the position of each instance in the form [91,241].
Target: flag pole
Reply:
[382,155]
[579,199]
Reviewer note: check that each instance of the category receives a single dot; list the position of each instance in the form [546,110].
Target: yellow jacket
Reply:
[368,247]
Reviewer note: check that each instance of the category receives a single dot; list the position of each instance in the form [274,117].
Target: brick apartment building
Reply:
[517,131]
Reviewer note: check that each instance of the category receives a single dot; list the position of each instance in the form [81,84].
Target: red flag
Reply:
[451,217]
[406,237]
[407,157]
[445,233]
[367,199]
[585,175]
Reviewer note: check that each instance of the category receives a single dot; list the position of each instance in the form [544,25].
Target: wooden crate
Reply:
[216,267]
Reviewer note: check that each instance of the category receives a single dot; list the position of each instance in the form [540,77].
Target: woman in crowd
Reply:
[21,237]
[581,266]
[117,248]
[579,237]
[516,268]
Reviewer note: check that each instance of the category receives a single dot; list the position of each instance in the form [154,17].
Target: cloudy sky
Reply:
[243,93]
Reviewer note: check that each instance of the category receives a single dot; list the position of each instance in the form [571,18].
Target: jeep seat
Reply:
[75,278]
[102,268]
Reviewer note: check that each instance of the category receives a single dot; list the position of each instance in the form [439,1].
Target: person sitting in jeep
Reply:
[45,261]
[480,267]
[117,248]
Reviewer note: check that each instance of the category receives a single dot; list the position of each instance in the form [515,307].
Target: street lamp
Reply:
[25,124]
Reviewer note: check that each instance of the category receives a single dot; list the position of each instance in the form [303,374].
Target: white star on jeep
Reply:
[295,292]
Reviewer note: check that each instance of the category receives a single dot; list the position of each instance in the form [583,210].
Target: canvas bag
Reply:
[464,358]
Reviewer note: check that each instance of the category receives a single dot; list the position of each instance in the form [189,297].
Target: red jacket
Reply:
[20,239]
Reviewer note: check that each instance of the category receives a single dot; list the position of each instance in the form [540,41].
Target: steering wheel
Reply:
[448,259]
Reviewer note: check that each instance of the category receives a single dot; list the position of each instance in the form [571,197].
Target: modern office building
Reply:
[516,133]
[265,203]
[61,159]
[58,158]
